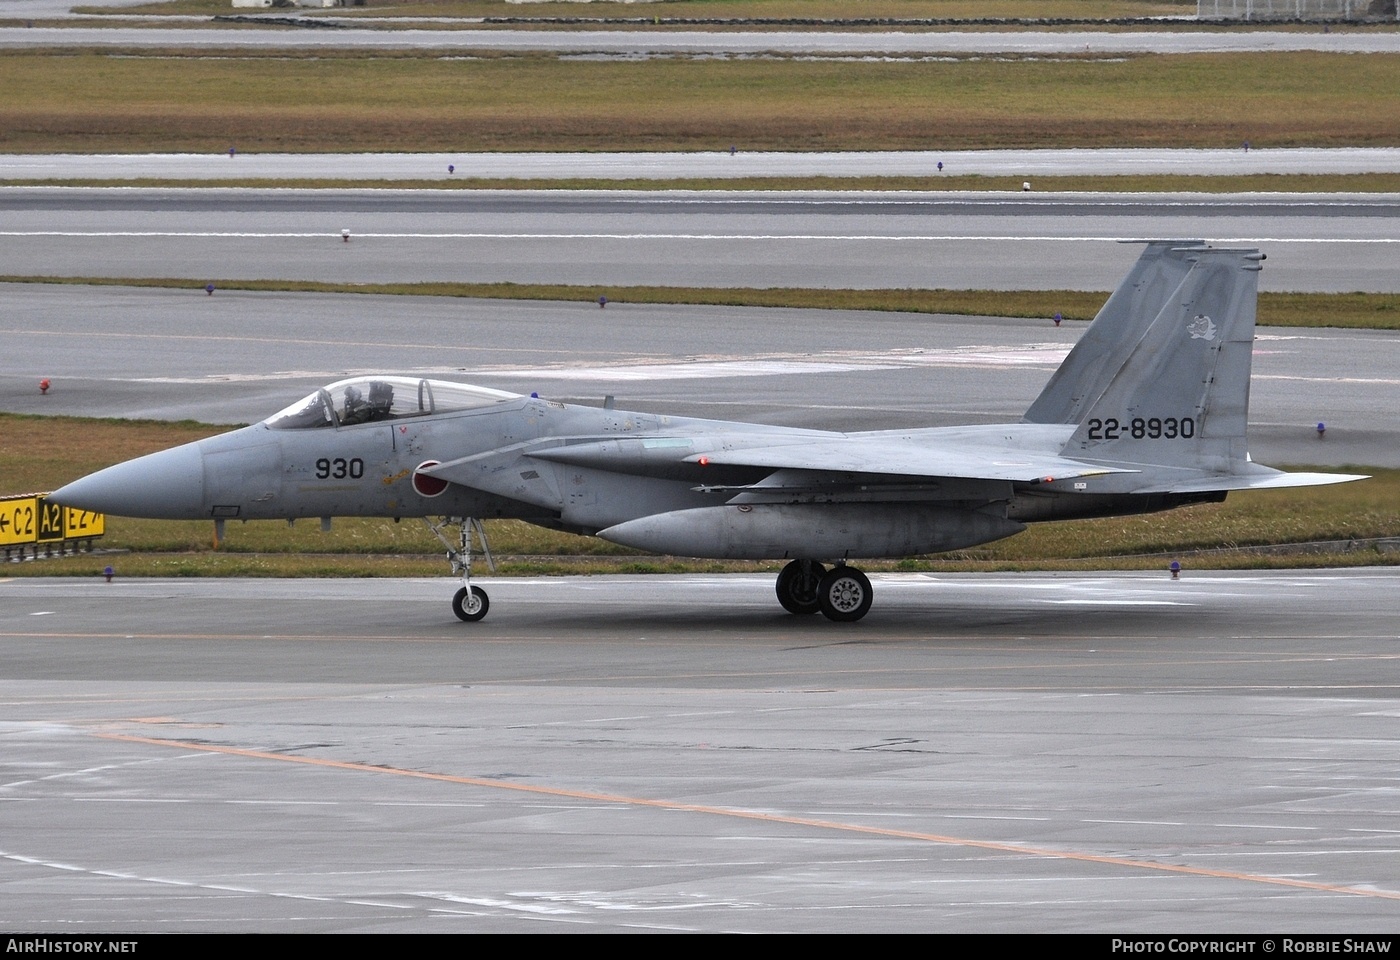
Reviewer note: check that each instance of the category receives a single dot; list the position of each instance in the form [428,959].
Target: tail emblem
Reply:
[1201,327]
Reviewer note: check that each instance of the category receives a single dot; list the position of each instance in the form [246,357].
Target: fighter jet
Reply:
[1147,412]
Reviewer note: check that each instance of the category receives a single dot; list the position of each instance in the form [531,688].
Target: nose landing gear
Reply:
[469,603]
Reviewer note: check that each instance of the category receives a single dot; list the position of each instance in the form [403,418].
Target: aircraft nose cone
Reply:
[164,486]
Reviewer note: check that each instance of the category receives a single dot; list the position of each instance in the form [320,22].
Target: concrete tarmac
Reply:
[713,164]
[1021,753]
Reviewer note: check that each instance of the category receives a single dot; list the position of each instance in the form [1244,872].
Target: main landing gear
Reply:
[469,603]
[842,593]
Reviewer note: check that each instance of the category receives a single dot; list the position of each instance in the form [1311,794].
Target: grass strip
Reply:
[176,101]
[672,10]
[1368,311]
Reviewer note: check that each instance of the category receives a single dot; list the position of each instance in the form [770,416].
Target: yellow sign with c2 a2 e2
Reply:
[33,519]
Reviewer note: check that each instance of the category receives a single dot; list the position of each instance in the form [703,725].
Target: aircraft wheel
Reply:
[844,594]
[470,608]
[797,589]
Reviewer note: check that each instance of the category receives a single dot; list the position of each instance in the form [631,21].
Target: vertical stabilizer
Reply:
[1180,398]
[1116,329]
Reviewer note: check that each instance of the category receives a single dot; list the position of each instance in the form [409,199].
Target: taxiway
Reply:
[1037,753]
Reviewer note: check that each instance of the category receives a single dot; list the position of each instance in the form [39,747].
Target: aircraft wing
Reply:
[895,458]
[1011,452]
[961,454]
[1008,454]
[878,456]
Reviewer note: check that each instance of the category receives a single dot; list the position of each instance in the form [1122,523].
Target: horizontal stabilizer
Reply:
[1270,480]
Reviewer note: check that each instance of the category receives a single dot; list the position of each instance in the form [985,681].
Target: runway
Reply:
[1038,753]
[716,164]
[680,42]
[1333,242]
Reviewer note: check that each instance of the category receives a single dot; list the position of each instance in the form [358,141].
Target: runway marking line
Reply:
[607,798]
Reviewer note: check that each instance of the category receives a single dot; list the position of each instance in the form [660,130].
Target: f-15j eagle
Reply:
[1146,413]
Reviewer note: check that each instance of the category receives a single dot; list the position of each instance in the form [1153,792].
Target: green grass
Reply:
[86,101]
[726,9]
[1370,311]
[42,453]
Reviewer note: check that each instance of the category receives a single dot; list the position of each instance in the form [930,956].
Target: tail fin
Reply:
[1180,396]
[1116,329]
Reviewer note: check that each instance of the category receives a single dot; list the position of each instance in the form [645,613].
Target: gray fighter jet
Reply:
[1148,412]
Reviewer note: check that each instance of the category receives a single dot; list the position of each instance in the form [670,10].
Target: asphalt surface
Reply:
[1040,753]
[1331,242]
[716,164]
[670,42]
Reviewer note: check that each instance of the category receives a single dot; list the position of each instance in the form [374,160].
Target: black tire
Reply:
[797,588]
[844,594]
[471,610]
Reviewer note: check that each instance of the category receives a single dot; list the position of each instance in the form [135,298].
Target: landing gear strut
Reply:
[842,593]
[469,603]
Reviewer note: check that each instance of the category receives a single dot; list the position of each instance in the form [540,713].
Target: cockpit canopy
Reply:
[371,399]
